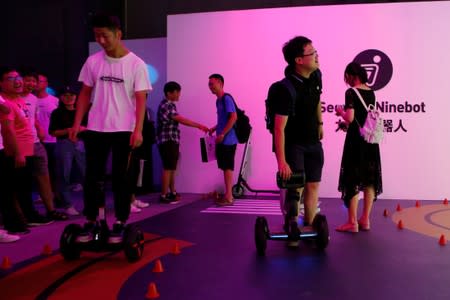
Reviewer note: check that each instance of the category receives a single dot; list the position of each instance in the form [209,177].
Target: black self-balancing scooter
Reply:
[318,233]
[132,241]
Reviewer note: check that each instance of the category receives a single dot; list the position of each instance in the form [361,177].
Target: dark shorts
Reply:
[169,152]
[225,156]
[308,158]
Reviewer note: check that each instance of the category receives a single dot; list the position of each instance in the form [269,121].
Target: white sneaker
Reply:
[302,209]
[134,209]
[140,204]
[8,238]
[71,211]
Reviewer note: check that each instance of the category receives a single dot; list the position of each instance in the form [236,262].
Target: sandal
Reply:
[348,227]
[225,202]
[364,226]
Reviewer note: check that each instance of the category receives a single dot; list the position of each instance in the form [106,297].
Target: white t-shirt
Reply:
[114,82]
[44,109]
[30,113]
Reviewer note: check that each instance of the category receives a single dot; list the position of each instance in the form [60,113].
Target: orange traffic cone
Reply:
[158,268]
[47,250]
[417,203]
[399,208]
[445,201]
[6,263]
[176,249]
[385,213]
[152,292]
[442,240]
[400,224]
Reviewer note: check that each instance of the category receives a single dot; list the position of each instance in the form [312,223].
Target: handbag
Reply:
[372,131]
[208,148]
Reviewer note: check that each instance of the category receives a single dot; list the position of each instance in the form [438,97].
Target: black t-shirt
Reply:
[62,118]
[302,128]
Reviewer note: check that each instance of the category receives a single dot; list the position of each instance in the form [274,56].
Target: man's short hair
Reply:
[29,72]
[294,48]
[171,86]
[5,70]
[217,76]
[101,20]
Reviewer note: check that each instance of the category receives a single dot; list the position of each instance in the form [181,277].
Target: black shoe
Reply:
[87,234]
[38,220]
[116,235]
[167,199]
[175,197]
[18,228]
[57,216]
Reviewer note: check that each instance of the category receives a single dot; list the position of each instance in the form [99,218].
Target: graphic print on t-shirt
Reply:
[111,78]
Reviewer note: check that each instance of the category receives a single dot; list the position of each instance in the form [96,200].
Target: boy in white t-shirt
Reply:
[115,86]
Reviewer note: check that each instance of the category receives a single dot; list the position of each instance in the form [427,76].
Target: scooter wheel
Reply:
[237,190]
[320,225]
[261,235]
[68,246]
[133,239]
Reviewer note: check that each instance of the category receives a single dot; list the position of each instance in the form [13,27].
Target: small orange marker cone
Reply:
[417,203]
[385,213]
[152,292]
[158,268]
[6,263]
[445,201]
[399,208]
[400,224]
[442,240]
[47,250]
[176,249]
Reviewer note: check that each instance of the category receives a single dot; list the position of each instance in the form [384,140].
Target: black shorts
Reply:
[225,156]
[169,152]
[308,158]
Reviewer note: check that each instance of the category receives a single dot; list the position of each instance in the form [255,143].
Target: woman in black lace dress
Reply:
[360,165]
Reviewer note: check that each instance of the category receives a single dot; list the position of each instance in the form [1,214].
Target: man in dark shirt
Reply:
[298,126]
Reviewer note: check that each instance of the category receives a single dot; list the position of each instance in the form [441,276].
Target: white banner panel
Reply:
[404,47]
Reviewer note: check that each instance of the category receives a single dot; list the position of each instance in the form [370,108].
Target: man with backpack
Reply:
[226,135]
[298,126]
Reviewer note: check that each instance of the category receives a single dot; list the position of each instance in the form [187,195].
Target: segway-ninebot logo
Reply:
[378,67]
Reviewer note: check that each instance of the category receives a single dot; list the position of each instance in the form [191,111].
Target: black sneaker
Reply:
[116,235]
[175,197]
[57,216]
[165,199]
[38,220]
[168,199]
[18,228]
[87,234]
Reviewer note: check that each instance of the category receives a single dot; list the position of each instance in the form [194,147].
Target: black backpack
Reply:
[270,109]
[242,126]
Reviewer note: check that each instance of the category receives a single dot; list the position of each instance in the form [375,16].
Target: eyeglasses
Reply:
[14,78]
[310,54]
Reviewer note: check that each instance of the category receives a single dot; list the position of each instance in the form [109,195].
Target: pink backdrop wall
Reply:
[245,46]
